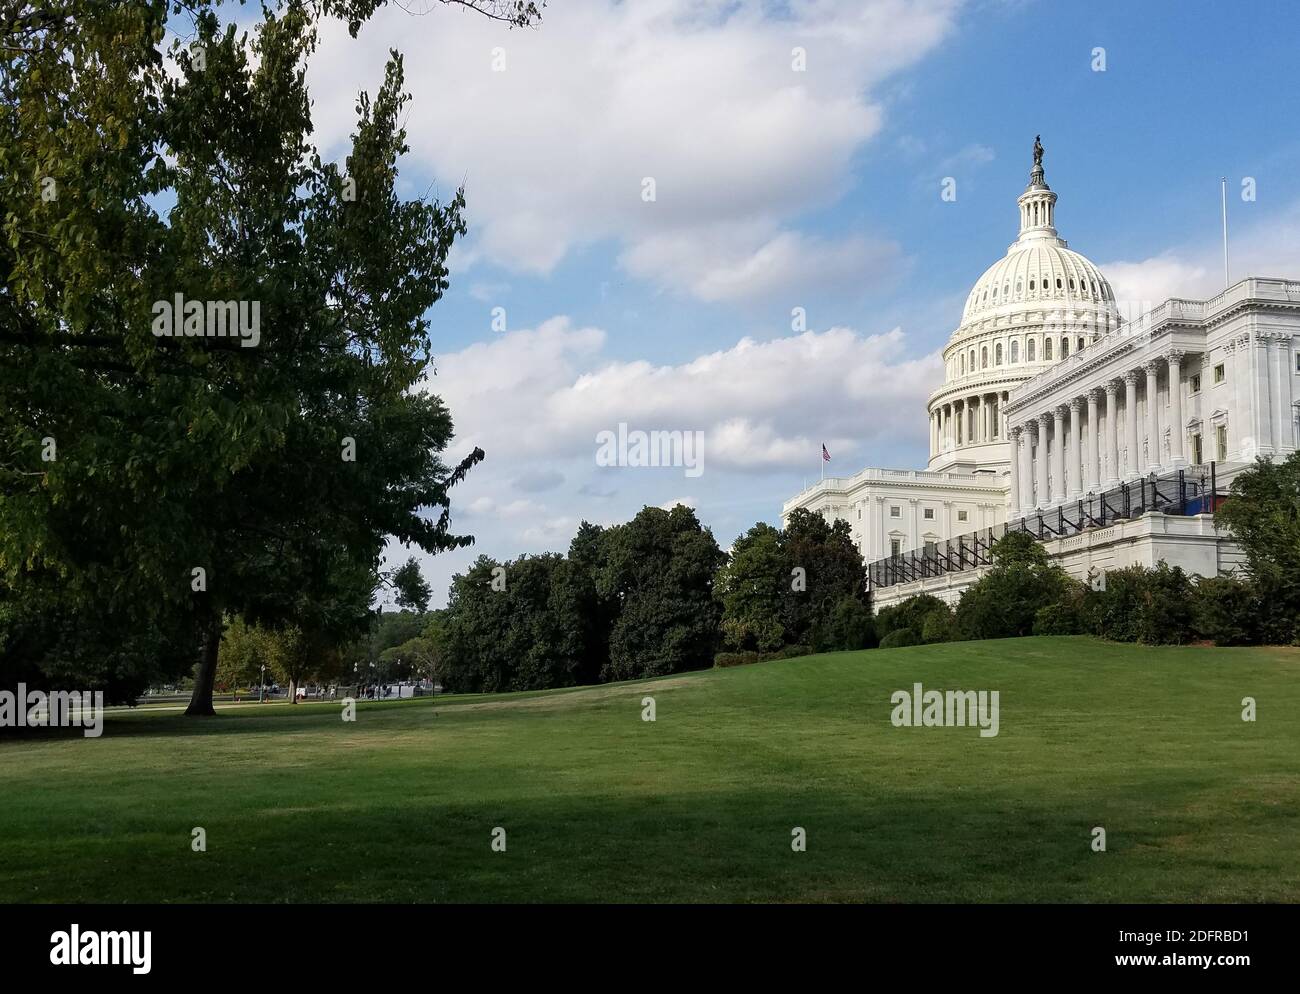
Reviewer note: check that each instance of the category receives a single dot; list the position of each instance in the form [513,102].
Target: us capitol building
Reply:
[1051,399]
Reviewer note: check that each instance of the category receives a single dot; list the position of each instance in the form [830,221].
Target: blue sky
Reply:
[779,189]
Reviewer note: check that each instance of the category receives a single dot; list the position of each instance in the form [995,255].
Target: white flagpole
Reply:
[1224,190]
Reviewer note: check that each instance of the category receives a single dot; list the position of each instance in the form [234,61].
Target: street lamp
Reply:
[261,686]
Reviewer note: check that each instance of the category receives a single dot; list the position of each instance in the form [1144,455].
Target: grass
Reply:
[599,805]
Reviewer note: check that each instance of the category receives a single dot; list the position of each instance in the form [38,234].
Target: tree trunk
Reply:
[201,699]
[293,690]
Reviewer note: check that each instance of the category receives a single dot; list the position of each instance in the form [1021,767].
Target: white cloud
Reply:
[1267,247]
[668,505]
[543,394]
[702,98]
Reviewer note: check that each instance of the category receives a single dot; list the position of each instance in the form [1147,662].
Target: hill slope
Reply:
[599,805]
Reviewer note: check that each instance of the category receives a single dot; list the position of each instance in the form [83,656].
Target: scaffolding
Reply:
[1185,492]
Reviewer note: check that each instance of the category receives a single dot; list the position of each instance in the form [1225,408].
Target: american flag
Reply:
[826,456]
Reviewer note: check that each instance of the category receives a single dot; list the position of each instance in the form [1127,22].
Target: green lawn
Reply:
[698,806]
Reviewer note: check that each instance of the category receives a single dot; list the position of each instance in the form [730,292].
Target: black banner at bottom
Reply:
[152,943]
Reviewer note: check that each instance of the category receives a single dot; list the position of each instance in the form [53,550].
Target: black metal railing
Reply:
[1185,492]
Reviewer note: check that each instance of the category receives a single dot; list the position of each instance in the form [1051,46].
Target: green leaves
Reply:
[193,450]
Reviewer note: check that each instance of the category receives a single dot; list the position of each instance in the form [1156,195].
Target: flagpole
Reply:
[1224,190]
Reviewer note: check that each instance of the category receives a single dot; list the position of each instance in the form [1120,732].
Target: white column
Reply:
[1058,455]
[1026,472]
[1259,393]
[1282,380]
[1153,417]
[1112,435]
[1177,430]
[1092,478]
[1288,391]
[1013,510]
[1044,496]
[1076,451]
[1132,460]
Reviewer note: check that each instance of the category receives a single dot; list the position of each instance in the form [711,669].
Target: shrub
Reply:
[900,637]
[906,614]
[1067,615]
[939,626]
[724,660]
[1152,606]
[1225,609]
[849,626]
[1057,619]
[1004,603]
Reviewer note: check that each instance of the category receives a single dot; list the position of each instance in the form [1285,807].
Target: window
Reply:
[1058,282]
[1071,283]
[1031,350]
[1065,348]
[1196,388]
[1297,362]
[1197,456]
[984,357]
[997,355]
[895,546]
[1080,343]
[1031,284]
[1047,349]
[1221,442]
[963,364]
[1015,350]
[1219,373]
[972,360]
[928,513]
[895,511]
[859,514]
[962,515]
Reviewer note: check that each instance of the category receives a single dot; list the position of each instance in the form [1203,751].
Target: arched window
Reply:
[963,363]
[972,360]
[1080,345]
[995,293]
[1031,284]
[1015,350]
[997,354]
[1031,350]
[984,357]
[1047,349]
[1058,282]
[1020,288]
[1071,282]
[1065,348]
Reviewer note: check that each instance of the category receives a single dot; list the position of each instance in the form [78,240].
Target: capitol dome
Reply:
[1037,305]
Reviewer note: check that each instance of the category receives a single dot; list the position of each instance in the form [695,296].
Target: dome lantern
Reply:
[1038,202]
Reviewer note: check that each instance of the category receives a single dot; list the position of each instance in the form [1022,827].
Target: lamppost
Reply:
[261,686]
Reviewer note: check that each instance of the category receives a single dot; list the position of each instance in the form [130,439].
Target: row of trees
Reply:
[650,597]
[656,595]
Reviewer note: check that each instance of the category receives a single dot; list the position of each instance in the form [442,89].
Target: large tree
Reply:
[151,482]
[1263,514]
[659,568]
